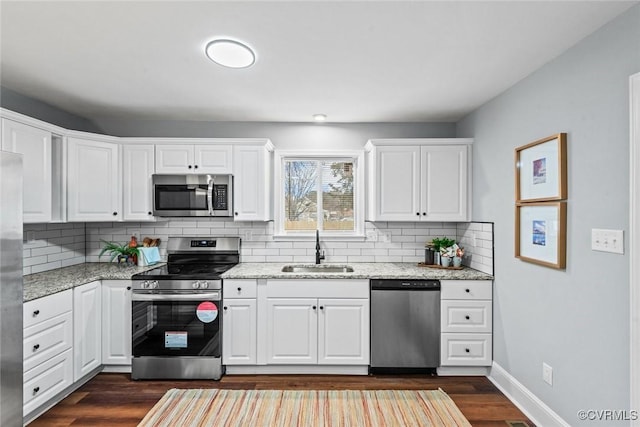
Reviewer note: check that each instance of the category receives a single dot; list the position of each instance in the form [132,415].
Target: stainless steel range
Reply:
[176,329]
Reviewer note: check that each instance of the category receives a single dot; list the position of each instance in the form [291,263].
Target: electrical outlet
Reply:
[385,237]
[248,234]
[29,236]
[372,236]
[547,374]
[607,240]
[474,241]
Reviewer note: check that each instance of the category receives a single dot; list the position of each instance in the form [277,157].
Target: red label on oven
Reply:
[207,312]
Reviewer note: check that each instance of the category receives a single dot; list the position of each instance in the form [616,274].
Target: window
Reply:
[319,193]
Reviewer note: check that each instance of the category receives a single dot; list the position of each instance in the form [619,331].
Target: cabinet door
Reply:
[398,183]
[444,183]
[239,332]
[35,146]
[343,332]
[176,159]
[212,159]
[87,329]
[93,181]
[138,164]
[292,335]
[252,184]
[116,322]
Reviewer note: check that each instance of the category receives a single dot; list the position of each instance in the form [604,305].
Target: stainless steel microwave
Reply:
[192,195]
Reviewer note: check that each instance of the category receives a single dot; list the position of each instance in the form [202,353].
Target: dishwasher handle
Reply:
[401,285]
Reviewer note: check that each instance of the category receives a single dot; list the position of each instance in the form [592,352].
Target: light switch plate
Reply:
[607,240]
[547,374]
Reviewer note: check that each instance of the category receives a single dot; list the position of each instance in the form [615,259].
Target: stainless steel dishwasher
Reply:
[405,325]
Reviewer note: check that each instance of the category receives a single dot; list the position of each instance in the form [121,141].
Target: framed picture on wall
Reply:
[541,233]
[541,170]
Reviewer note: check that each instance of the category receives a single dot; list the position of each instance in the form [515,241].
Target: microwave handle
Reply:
[210,196]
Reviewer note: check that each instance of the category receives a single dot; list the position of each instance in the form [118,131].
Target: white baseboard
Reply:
[456,371]
[527,402]
[297,370]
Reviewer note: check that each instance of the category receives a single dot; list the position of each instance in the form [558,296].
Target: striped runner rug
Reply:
[305,408]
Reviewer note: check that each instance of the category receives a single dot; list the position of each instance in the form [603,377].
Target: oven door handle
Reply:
[176,297]
[210,195]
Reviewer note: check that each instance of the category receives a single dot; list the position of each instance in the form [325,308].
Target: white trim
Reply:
[12,115]
[634,239]
[525,400]
[463,371]
[417,141]
[297,369]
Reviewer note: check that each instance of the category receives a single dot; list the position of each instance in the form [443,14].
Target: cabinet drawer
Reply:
[465,316]
[45,308]
[465,350]
[235,288]
[47,339]
[46,380]
[466,289]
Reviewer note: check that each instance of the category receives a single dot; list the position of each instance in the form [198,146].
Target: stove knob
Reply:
[155,284]
[195,285]
[145,285]
[204,284]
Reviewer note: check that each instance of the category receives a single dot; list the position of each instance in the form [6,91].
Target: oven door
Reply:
[176,324]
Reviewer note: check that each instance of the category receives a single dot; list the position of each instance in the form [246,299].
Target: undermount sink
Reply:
[317,269]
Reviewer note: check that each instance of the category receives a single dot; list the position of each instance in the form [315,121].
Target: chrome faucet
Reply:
[319,256]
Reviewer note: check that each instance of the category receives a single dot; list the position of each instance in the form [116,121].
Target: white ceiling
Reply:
[369,61]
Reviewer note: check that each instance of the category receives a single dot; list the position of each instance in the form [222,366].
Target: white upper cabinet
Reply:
[138,164]
[253,182]
[418,180]
[197,159]
[35,146]
[93,180]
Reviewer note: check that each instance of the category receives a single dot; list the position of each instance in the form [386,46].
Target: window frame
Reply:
[357,157]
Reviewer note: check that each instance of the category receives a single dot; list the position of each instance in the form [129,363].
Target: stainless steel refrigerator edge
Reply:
[10,289]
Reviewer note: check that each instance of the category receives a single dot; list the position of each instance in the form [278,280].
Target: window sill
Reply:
[323,237]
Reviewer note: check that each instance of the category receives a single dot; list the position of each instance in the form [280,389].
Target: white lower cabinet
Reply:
[47,348]
[343,331]
[317,322]
[292,331]
[239,331]
[466,323]
[87,325]
[324,331]
[116,322]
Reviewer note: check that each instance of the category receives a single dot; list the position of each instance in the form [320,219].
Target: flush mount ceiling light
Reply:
[320,117]
[230,53]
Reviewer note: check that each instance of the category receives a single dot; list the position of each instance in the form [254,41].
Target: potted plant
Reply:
[440,243]
[457,259]
[124,252]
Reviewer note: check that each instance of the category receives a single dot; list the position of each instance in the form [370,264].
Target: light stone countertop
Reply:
[378,270]
[39,285]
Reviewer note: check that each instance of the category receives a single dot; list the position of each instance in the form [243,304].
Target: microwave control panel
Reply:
[220,197]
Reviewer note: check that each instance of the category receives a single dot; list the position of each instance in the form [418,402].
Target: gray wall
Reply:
[575,320]
[283,135]
[32,107]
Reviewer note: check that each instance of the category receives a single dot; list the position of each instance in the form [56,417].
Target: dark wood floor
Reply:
[115,400]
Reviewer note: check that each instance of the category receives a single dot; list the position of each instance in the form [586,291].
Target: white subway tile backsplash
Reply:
[406,241]
[53,244]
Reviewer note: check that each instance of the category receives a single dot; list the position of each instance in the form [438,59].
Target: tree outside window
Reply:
[318,194]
